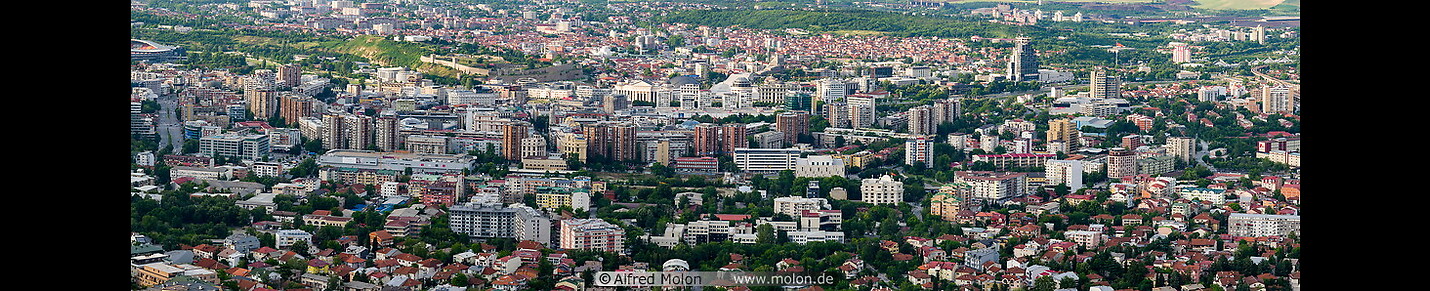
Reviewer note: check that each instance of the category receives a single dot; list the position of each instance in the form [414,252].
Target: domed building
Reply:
[680,81]
[675,265]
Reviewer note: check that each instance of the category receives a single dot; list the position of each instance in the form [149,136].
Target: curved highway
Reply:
[1258,72]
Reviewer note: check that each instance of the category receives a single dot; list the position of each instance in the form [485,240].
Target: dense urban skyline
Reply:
[924,145]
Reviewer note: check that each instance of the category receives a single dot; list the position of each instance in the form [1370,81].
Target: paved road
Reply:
[1203,151]
[917,209]
[1258,72]
[170,130]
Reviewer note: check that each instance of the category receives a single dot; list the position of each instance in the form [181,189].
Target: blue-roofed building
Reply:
[391,203]
[1091,121]
[688,124]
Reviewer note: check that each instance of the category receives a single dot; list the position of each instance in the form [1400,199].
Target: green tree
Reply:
[459,280]
[765,234]
[191,146]
[1044,283]
[313,145]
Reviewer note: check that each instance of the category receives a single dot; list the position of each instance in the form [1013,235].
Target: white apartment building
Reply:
[464,96]
[919,150]
[1243,224]
[266,169]
[1064,172]
[392,161]
[1183,148]
[534,146]
[803,237]
[993,186]
[288,237]
[533,225]
[988,142]
[882,190]
[1215,196]
[1085,238]
[795,205]
[483,220]
[766,160]
[213,173]
[389,189]
[819,166]
[592,234]
[250,147]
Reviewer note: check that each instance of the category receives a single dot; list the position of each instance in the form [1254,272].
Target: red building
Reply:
[697,164]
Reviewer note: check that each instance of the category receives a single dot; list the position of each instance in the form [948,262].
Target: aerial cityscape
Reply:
[1080,145]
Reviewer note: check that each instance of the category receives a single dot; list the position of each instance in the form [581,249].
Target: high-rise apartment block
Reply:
[386,136]
[945,110]
[1182,148]
[289,76]
[921,120]
[837,114]
[1121,163]
[263,103]
[1062,130]
[1277,99]
[358,131]
[862,110]
[713,139]
[512,134]
[792,124]
[613,141]
[1181,53]
[1065,172]
[1104,86]
[919,150]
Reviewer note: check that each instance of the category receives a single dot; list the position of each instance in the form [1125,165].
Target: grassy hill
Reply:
[1240,4]
[863,21]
